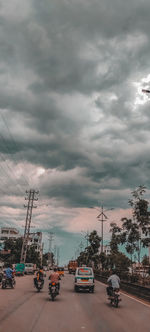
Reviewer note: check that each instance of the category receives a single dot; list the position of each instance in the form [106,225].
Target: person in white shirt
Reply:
[114,283]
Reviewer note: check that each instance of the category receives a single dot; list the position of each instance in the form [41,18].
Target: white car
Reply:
[29,268]
[84,279]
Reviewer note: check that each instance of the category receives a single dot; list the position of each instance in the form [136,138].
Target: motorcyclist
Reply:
[39,276]
[113,282]
[55,277]
[9,273]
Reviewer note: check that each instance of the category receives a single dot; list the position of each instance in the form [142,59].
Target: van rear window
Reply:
[85,271]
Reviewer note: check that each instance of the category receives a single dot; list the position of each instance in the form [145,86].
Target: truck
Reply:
[73,264]
[19,269]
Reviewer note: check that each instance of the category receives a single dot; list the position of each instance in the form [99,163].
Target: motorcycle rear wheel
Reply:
[116,303]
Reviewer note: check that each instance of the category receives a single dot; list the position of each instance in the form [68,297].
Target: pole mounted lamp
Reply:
[102,217]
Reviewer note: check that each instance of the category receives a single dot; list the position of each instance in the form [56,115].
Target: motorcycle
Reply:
[53,290]
[8,282]
[115,298]
[39,285]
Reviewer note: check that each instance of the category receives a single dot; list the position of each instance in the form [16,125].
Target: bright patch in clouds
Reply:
[142,97]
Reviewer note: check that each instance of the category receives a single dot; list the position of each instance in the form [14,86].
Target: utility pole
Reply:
[50,239]
[102,217]
[55,253]
[57,256]
[31,198]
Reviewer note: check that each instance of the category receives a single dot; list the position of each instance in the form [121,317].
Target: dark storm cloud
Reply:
[67,70]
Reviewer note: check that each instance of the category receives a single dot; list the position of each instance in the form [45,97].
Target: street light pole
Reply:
[103,218]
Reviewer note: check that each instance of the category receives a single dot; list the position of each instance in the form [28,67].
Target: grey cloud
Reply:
[60,52]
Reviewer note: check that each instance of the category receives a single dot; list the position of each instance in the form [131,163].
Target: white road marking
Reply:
[132,298]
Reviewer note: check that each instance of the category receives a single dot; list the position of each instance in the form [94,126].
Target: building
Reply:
[35,239]
[8,233]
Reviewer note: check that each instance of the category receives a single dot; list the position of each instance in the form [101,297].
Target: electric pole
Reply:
[57,256]
[50,239]
[103,218]
[31,198]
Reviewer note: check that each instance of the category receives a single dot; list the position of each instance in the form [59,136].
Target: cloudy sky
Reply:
[74,123]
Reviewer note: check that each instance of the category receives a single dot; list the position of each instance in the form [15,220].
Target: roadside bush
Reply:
[134,278]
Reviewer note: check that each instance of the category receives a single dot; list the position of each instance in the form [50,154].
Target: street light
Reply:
[102,217]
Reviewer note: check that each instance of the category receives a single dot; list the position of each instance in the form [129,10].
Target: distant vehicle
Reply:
[61,271]
[30,268]
[19,269]
[84,279]
[72,266]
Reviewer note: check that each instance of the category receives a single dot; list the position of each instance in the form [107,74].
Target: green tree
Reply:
[90,254]
[120,262]
[115,237]
[103,260]
[14,257]
[130,236]
[15,247]
[134,232]
[145,260]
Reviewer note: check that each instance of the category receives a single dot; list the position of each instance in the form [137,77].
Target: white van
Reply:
[29,268]
[84,279]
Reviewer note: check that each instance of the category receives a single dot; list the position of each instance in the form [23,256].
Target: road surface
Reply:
[24,310]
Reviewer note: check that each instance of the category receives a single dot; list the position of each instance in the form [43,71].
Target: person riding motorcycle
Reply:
[39,276]
[55,277]
[9,274]
[114,283]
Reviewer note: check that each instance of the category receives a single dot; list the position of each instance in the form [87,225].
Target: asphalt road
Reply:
[24,310]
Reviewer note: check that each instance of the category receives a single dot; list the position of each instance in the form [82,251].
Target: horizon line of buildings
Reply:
[35,239]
